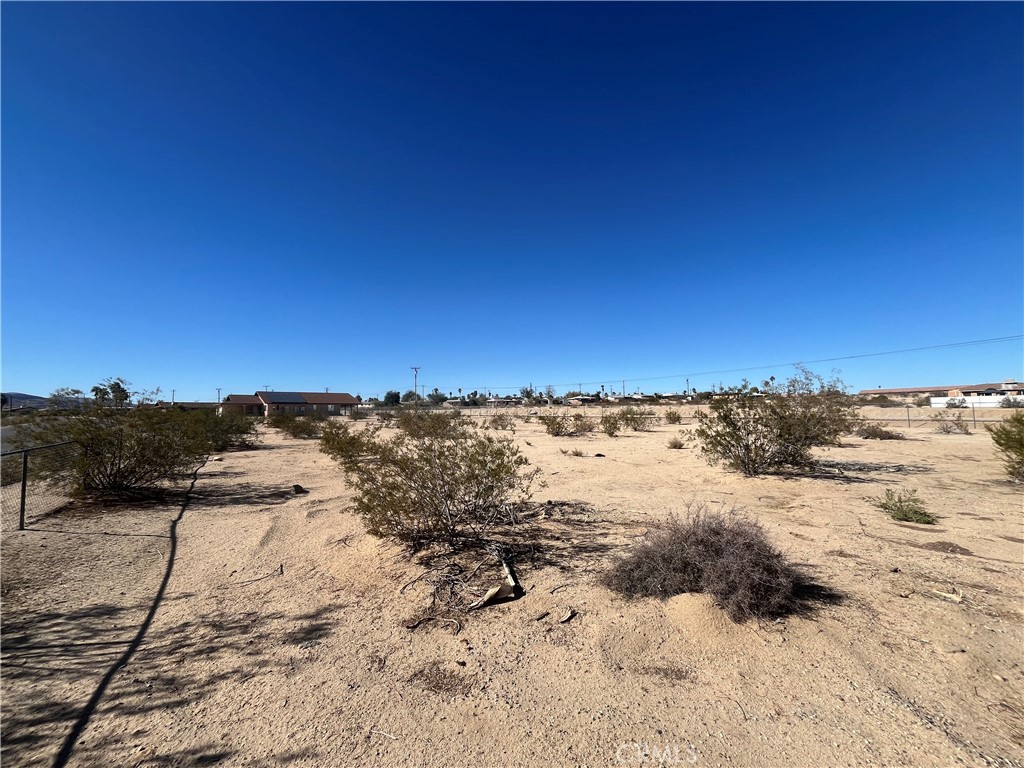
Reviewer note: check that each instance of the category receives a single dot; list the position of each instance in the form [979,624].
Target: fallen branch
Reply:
[425,619]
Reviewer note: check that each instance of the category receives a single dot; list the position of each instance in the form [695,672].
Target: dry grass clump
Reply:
[878,432]
[724,555]
[676,443]
[904,506]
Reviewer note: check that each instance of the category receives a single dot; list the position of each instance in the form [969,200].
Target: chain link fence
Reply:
[34,483]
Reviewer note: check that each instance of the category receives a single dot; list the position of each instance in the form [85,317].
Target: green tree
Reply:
[436,397]
[392,397]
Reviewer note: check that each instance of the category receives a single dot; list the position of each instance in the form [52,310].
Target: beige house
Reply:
[313,404]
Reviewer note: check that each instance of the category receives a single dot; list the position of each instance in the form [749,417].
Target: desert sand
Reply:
[281,635]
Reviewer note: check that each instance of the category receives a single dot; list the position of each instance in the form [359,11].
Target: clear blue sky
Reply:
[323,195]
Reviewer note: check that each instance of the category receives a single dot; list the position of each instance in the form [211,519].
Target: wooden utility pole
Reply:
[415,385]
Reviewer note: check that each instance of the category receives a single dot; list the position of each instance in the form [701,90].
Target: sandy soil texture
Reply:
[281,635]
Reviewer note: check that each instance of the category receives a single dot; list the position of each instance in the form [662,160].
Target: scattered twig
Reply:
[560,586]
[278,572]
[542,615]
[568,616]
[381,733]
[425,619]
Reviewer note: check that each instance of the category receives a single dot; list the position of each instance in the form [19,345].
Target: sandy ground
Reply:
[280,637]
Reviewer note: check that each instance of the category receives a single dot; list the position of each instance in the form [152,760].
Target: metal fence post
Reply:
[908,415]
[24,487]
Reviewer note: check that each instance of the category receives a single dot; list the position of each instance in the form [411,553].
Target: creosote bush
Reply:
[432,423]
[877,432]
[676,443]
[722,554]
[128,452]
[757,432]
[1010,401]
[567,425]
[904,506]
[437,482]
[502,421]
[638,419]
[296,427]
[1009,440]
[672,416]
[610,423]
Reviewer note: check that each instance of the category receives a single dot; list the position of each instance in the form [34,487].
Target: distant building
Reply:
[292,403]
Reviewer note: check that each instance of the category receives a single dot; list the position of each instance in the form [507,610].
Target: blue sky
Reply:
[323,195]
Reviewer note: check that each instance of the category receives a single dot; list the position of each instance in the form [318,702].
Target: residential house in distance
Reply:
[314,404]
[978,395]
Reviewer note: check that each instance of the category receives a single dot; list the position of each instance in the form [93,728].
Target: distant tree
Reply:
[119,393]
[410,397]
[526,393]
[392,397]
[436,397]
[100,394]
[60,398]
[4,400]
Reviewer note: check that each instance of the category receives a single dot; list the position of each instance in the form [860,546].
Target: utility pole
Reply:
[172,396]
[218,395]
[266,387]
[326,390]
[415,384]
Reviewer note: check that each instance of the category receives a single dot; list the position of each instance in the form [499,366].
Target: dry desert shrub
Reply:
[949,426]
[676,443]
[1009,440]
[672,416]
[878,432]
[721,554]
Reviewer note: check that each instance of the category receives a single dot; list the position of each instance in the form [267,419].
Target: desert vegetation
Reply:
[948,425]
[123,451]
[903,506]
[438,480]
[1008,438]
[776,427]
[719,553]
[562,424]
[870,431]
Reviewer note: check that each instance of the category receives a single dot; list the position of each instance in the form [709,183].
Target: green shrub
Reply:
[1009,440]
[676,443]
[297,427]
[567,425]
[1011,402]
[724,555]
[126,452]
[358,414]
[756,433]
[502,421]
[672,416]
[956,402]
[610,423]
[431,486]
[431,423]
[904,506]
[877,432]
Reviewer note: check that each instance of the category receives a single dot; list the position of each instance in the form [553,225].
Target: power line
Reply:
[950,345]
